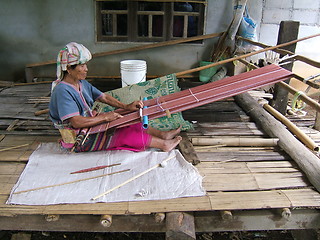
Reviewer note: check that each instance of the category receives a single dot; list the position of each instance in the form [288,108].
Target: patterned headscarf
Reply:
[73,53]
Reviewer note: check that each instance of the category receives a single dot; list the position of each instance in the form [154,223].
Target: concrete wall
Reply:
[35,30]
[307,12]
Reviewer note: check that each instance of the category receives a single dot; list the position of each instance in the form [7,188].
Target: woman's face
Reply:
[79,72]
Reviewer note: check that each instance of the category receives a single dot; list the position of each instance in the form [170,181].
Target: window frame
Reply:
[132,12]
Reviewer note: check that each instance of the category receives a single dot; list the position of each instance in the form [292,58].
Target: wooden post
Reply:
[180,225]
[317,120]
[307,161]
[288,31]
[29,74]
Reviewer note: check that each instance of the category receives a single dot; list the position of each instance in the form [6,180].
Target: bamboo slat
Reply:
[207,169]
[243,156]
[253,181]
[290,198]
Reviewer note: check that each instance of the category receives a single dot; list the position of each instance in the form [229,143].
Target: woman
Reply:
[70,110]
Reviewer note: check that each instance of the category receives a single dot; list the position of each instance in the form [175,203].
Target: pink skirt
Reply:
[133,138]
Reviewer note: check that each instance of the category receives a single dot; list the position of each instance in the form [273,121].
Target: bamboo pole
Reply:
[14,147]
[133,178]
[308,100]
[75,181]
[312,103]
[293,128]
[284,52]
[235,142]
[143,47]
[244,55]
[308,162]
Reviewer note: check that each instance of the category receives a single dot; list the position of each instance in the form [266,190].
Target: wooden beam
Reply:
[178,74]
[138,48]
[283,52]
[180,226]
[288,31]
[306,160]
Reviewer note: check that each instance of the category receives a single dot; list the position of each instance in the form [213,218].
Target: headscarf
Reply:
[73,53]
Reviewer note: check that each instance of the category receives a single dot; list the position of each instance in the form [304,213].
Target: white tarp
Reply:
[49,165]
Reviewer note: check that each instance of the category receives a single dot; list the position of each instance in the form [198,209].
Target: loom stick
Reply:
[75,181]
[9,148]
[131,179]
[95,168]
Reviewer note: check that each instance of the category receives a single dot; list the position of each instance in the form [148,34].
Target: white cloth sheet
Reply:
[50,165]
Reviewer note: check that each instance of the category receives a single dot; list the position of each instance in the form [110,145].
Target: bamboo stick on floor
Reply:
[235,141]
[75,181]
[293,128]
[133,178]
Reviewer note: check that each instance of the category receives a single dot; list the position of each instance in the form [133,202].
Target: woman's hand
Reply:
[84,122]
[134,106]
[109,116]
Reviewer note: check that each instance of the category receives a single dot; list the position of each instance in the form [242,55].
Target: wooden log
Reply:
[226,215]
[235,141]
[52,217]
[293,128]
[187,150]
[159,217]
[288,31]
[106,220]
[180,226]
[308,162]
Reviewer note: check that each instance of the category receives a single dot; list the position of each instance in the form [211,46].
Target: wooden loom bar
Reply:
[132,49]
[308,100]
[284,52]
[202,94]
[244,55]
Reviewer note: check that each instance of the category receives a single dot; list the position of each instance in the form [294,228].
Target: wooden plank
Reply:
[170,205]
[292,198]
[253,181]
[307,160]
[207,168]
[11,168]
[236,156]
[265,199]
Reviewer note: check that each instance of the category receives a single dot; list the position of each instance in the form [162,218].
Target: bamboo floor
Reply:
[235,177]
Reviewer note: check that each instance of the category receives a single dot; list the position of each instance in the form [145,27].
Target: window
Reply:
[146,21]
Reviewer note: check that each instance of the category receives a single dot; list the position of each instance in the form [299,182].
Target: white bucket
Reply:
[133,71]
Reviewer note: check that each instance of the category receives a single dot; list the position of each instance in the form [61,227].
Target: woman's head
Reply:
[76,72]
[72,55]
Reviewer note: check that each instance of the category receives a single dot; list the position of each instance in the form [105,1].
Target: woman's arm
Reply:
[105,98]
[85,122]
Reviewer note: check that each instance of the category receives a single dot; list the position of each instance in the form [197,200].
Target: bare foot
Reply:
[167,135]
[171,144]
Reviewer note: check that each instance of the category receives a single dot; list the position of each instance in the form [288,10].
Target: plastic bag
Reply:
[247,29]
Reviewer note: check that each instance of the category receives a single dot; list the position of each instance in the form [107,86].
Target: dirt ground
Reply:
[255,235]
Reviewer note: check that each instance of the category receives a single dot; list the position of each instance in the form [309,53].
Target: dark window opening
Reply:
[144,21]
